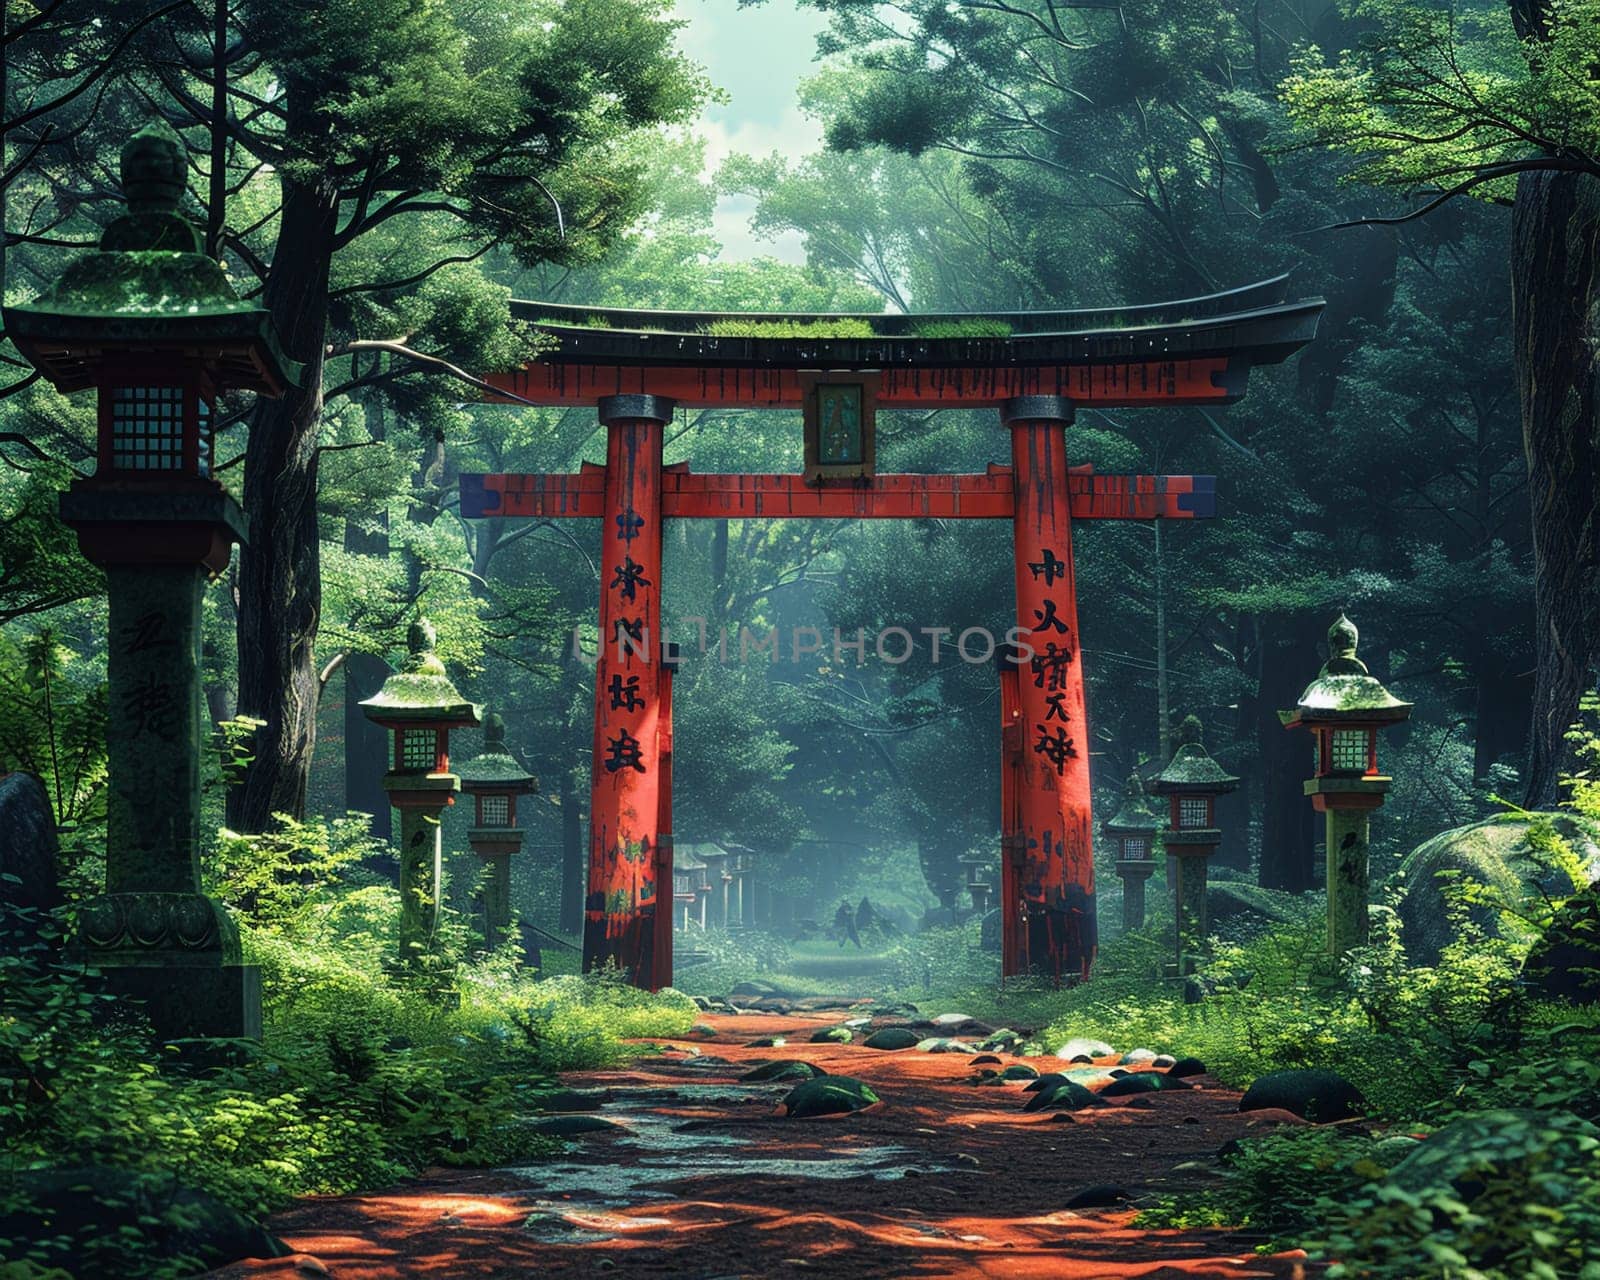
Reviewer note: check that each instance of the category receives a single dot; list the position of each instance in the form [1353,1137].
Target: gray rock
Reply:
[1493,853]
[1083,1045]
[891,1038]
[30,883]
[1138,1057]
[1163,1060]
[782,1071]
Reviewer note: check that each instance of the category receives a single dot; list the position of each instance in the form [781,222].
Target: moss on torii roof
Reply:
[1343,689]
[496,769]
[1191,767]
[421,692]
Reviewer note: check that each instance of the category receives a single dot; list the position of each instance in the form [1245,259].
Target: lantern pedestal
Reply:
[156,938]
[1347,805]
[1134,873]
[495,845]
[420,799]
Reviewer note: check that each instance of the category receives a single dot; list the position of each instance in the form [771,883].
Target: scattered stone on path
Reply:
[783,1070]
[1137,1058]
[1163,1060]
[571,1125]
[827,1096]
[943,1044]
[572,1100]
[1099,1196]
[1045,1081]
[983,1059]
[891,1038]
[952,1020]
[1184,1067]
[701,1029]
[833,1035]
[766,1042]
[1136,1082]
[1088,1049]
[1019,1071]
[1313,1093]
[1064,1095]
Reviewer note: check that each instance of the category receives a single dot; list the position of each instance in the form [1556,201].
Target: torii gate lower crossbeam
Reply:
[1047,860]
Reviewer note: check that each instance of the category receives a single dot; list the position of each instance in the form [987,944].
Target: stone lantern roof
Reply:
[1191,768]
[1136,816]
[495,769]
[420,693]
[150,288]
[1343,691]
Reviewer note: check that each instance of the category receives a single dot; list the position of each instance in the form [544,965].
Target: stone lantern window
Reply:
[419,750]
[1350,750]
[1194,813]
[494,811]
[1135,847]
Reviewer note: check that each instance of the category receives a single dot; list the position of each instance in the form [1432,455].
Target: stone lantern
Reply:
[1192,781]
[494,780]
[419,706]
[1132,830]
[153,327]
[979,886]
[1344,707]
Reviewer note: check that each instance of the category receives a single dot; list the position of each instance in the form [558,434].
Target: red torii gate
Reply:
[635,367]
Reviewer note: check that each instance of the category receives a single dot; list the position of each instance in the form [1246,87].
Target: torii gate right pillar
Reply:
[1051,929]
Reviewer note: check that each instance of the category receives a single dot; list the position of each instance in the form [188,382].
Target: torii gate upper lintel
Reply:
[635,367]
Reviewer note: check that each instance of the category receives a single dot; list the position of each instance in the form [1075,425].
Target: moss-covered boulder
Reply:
[892,1038]
[1064,1095]
[571,1125]
[1239,903]
[833,1035]
[1019,1071]
[1136,1082]
[828,1096]
[1314,1094]
[1475,1150]
[1497,853]
[790,1070]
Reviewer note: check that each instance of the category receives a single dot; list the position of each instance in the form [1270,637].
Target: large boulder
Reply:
[30,876]
[1494,853]
[1314,1094]
[1476,1149]
[1565,963]
[892,1038]
[123,1224]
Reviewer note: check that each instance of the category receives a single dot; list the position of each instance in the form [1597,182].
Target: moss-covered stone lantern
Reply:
[1192,781]
[494,780]
[1344,707]
[419,706]
[152,326]
[1132,831]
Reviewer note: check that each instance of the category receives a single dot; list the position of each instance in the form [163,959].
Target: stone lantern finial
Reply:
[1342,640]
[494,732]
[421,638]
[154,175]
[1191,733]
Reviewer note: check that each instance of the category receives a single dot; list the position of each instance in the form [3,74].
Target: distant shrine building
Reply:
[1036,368]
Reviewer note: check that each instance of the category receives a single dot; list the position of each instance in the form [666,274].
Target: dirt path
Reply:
[705,1178]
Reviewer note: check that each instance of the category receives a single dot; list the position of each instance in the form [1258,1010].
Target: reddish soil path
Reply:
[707,1179]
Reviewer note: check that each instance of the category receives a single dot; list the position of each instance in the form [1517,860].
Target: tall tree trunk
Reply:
[280,587]
[1289,658]
[1555,299]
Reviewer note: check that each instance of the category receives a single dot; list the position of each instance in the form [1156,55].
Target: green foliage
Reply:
[53,723]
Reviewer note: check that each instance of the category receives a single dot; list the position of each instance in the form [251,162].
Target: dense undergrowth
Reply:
[367,1071]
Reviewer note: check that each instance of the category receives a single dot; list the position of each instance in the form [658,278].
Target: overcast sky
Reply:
[757,57]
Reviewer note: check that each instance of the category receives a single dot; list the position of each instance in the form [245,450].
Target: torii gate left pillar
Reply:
[627,884]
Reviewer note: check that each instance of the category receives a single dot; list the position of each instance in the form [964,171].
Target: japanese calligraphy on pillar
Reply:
[620,916]
[1054,877]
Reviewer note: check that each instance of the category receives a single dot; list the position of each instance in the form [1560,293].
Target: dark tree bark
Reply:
[574,869]
[1555,291]
[1289,658]
[280,590]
